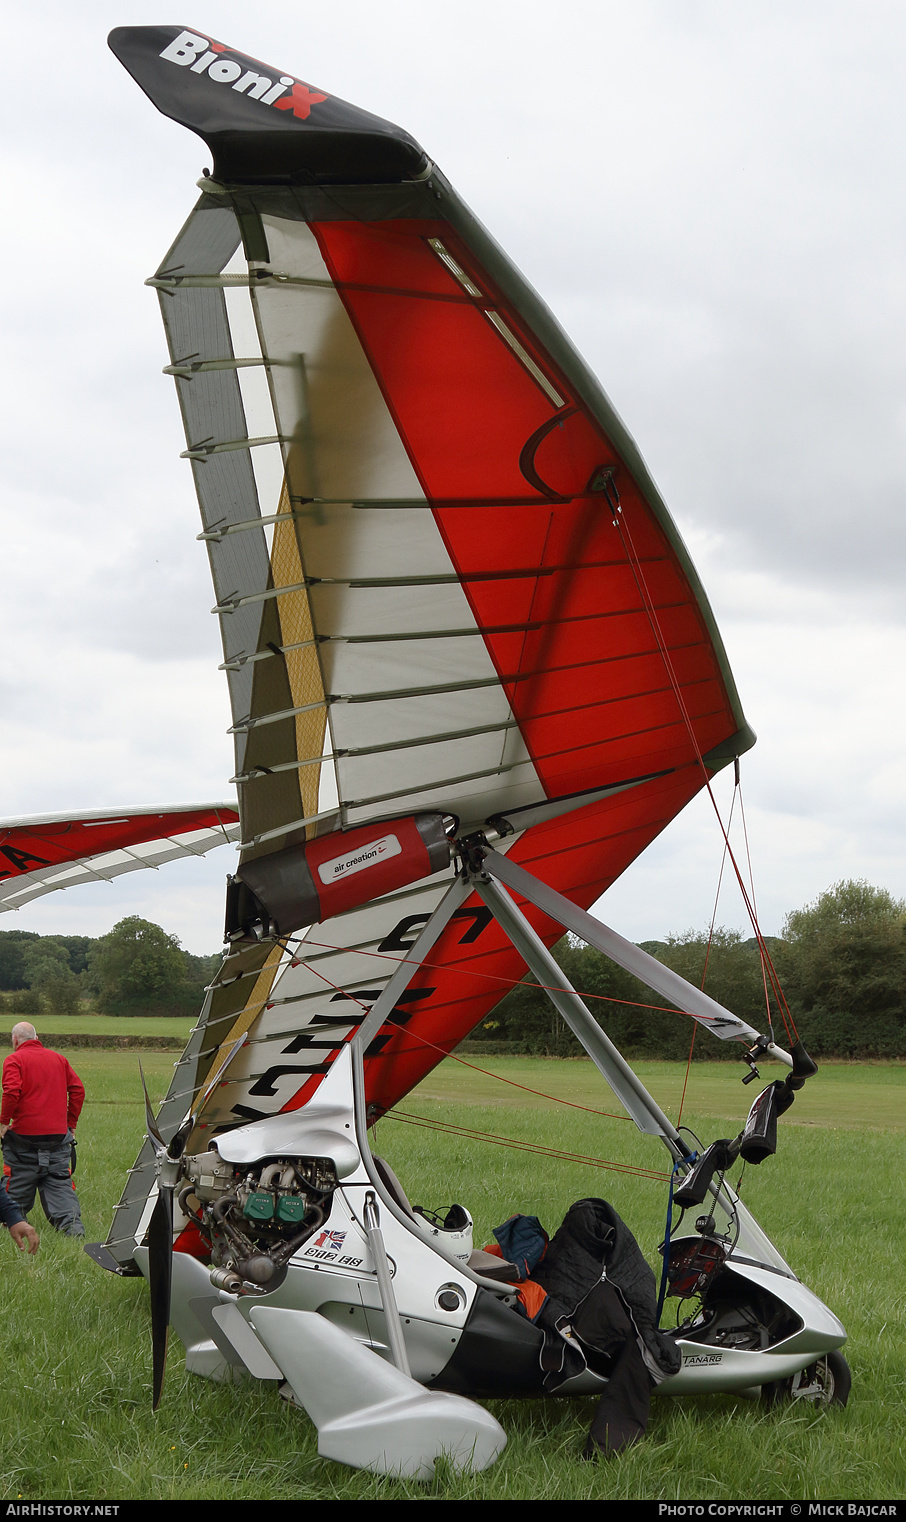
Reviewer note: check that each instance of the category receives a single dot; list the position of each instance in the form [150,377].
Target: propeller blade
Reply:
[160,1262]
[154,1135]
[160,1235]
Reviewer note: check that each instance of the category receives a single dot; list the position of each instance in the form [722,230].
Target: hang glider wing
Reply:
[448,588]
[44,852]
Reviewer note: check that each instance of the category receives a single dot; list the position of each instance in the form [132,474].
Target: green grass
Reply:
[48,1026]
[844,1094]
[75,1417]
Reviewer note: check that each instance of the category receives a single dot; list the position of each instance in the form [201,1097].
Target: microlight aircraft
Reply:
[473,674]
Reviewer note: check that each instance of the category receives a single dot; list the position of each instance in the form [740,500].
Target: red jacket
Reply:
[42,1095]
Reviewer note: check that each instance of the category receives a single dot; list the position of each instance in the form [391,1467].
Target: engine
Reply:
[255,1217]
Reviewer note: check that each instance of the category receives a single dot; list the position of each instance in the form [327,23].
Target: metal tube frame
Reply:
[720,1021]
[626,1085]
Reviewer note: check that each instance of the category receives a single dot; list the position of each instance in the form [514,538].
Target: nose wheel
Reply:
[826,1382]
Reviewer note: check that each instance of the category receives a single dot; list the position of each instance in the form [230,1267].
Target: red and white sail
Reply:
[445,579]
[40,853]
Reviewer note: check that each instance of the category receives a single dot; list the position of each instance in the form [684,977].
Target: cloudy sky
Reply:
[711,199]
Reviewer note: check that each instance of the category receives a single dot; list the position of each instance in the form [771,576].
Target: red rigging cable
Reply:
[467,972]
[423,1041]
[625,532]
[469,1134]
[511,984]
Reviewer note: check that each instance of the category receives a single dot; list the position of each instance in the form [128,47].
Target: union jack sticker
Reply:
[330,1241]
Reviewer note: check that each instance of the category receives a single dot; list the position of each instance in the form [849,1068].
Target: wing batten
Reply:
[42,853]
[197,328]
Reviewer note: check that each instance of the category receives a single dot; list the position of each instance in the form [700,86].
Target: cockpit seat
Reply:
[488,1264]
[491,1267]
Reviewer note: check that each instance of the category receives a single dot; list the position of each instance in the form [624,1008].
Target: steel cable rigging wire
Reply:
[510,986]
[720,878]
[622,526]
[557,1154]
[466,972]
[470,1134]
[485,1072]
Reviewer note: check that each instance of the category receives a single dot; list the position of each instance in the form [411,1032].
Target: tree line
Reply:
[841,962]
[138,969]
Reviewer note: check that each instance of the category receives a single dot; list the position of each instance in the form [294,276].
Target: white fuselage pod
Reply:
[461,1330]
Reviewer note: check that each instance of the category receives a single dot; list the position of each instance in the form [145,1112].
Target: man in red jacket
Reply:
[42,1101]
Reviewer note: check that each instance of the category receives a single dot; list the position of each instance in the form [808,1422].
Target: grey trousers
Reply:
[43,1170]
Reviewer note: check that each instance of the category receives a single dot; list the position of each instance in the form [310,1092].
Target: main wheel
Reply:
[826,1382]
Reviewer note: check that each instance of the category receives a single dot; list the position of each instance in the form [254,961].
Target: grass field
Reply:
[48,1026]
[76,1422]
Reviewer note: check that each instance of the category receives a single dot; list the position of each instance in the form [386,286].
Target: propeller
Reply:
[160,1237]
[160,1228]
[160,1254]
